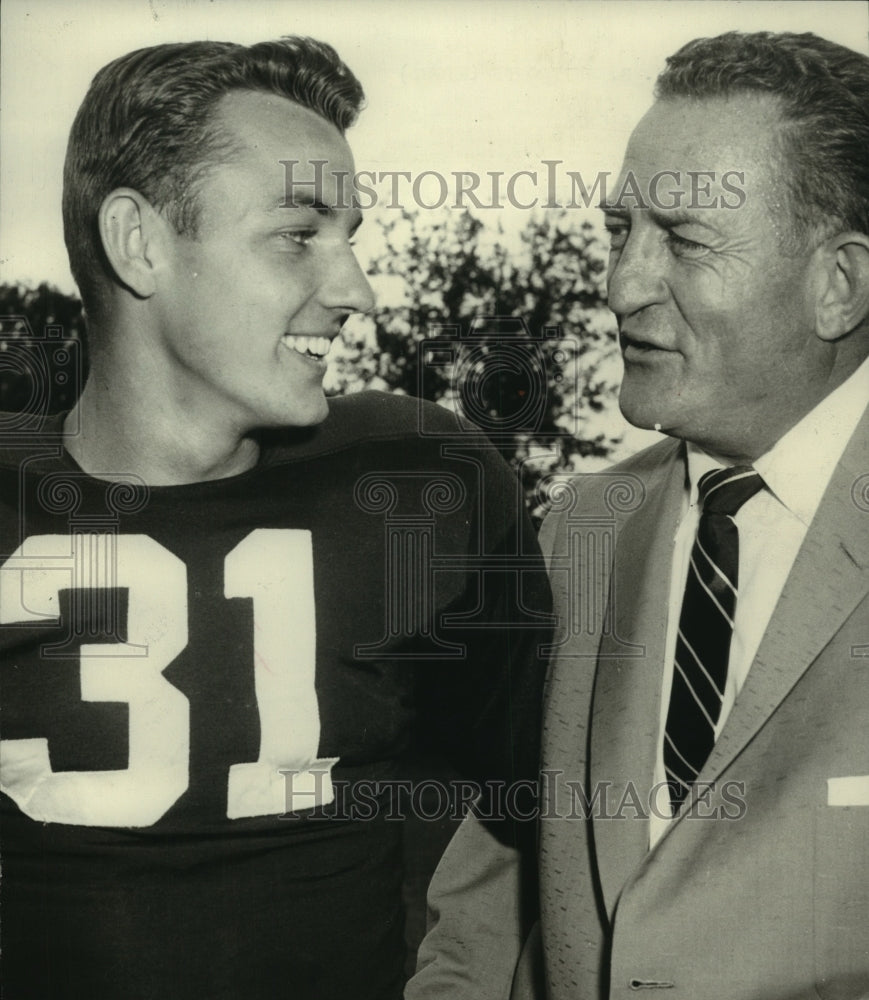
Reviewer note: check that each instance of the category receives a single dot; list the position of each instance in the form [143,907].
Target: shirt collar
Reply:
[799,466]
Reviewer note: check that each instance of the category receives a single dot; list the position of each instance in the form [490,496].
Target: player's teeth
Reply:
[318,346]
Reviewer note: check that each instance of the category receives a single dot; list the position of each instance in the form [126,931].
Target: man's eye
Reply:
[618,236]
[682,247]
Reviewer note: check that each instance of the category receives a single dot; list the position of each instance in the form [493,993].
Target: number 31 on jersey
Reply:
[274,567]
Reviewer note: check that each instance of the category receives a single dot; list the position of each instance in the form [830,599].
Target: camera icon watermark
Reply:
[40,373]
[502,377]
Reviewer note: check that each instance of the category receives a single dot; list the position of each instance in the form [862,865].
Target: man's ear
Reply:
[843,300]
[132,233]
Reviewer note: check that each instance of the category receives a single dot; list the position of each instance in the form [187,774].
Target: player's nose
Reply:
[345,285]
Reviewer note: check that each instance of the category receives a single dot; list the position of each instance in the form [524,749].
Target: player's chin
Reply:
[308,411]
[302,408]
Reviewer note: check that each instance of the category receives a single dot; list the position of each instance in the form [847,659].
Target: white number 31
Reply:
[275,567]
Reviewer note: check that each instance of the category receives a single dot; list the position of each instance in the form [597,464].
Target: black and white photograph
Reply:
[434,500]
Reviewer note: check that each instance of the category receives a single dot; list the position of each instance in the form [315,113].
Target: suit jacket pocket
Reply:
[841,902]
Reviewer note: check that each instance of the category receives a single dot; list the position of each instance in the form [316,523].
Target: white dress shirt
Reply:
[772,526]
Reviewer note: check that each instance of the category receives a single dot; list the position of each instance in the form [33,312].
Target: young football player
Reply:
[228,607]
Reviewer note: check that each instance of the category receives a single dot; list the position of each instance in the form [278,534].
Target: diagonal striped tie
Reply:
[705,628]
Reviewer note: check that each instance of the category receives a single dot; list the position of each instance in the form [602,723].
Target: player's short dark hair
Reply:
[147,122]
[823,93]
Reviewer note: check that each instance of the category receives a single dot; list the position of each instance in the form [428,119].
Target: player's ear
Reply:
[842,303]
[132,232]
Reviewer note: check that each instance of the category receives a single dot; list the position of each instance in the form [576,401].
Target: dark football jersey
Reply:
[197,681]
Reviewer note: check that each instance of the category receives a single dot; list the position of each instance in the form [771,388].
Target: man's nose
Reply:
[635,276]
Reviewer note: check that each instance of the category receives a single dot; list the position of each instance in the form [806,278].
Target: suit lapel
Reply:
[830,576]
[628,687]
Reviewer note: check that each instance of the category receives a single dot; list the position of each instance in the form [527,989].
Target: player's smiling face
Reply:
[716,323]
[248,307]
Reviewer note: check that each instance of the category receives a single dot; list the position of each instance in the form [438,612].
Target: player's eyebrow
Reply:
[304,199]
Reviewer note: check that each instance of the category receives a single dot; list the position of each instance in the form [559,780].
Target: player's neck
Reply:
[121,432]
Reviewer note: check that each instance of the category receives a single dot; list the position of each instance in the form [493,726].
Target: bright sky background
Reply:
[470,85]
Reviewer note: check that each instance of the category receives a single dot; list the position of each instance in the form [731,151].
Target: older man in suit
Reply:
[704,824]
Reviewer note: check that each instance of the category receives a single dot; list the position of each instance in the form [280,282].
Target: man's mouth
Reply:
[639,346]
[309,347]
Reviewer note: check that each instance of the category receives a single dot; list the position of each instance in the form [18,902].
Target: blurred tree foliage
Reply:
[42,349]
[513,334]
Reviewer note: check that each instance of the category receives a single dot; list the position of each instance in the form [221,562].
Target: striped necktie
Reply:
[705,628]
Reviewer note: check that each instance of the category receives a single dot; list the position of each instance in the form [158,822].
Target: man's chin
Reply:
[647,414]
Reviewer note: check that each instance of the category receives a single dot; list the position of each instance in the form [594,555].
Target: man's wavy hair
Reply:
[147,122]
[822,91]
